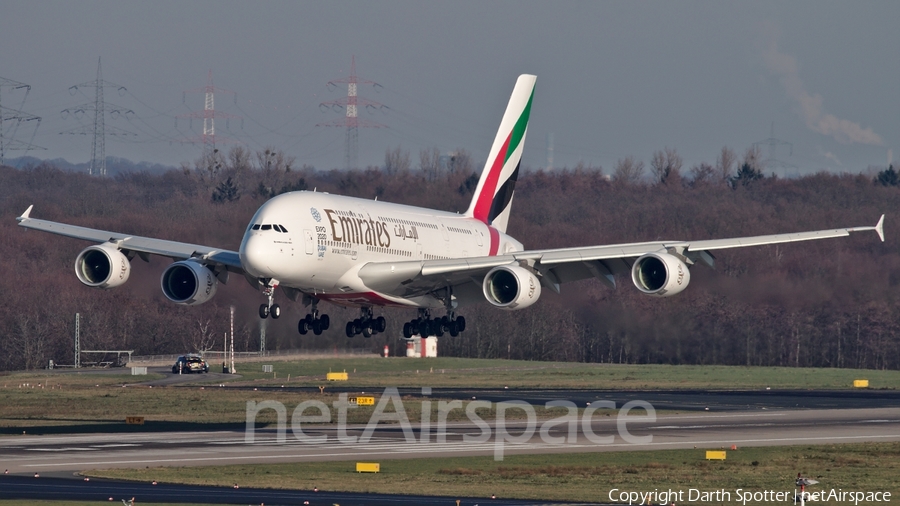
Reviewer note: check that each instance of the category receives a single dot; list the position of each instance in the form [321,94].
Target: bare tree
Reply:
[208,167]
[272,159]
[204,339]
[396,161]
[725,163]
[628,171]
[753,158]
[238,158]
[430,163]
[460,162]
[666,165]
[702,173]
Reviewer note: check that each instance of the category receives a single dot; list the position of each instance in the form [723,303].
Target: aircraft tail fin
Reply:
[493,196]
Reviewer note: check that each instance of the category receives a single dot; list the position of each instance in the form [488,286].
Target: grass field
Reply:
[456,372]
[54,401]
[585,477]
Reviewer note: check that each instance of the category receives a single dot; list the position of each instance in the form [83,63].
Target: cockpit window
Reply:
[256,227]
[266,227]
[283,229]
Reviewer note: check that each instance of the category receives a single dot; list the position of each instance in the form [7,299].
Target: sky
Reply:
[614,78]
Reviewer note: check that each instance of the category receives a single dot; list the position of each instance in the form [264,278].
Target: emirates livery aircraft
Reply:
[368,254]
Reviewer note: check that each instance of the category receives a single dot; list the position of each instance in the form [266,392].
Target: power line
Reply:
[18,117]
[351,105]
[208,115]
[771,162]
[99,109]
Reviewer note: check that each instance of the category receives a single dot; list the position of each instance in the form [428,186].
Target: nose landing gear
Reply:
[366,324]
[270,309]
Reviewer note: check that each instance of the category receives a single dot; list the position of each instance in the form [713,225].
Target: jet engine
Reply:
[102,266]
[188,283]
[511,287]
[660,274]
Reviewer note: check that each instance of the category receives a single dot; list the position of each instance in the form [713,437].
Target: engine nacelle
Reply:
[660,274]
[102,266]
[511,287]
[189,283]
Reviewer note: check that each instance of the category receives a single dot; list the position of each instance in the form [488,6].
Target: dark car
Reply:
[190,363]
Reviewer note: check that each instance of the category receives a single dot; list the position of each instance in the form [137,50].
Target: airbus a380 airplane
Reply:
[367,254]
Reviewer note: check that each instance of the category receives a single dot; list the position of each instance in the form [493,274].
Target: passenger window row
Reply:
[277,228]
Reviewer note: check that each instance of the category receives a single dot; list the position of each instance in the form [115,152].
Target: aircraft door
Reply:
[308,241]
[477,233]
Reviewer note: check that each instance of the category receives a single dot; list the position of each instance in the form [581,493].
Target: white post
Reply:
[231,350]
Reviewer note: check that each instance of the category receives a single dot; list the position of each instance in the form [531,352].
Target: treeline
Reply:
[829,303]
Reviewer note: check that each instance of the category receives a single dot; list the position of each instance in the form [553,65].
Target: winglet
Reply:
[26,214]
[878,228]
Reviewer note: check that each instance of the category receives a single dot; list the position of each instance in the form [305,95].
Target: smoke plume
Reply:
[811,108]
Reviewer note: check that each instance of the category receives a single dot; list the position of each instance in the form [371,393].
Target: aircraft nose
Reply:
[257,255]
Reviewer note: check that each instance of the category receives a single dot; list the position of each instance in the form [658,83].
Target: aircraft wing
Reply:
[557,266]
[140,245]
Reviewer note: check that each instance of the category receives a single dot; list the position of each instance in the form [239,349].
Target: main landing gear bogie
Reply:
[426,326]
[367,324]
[314,322]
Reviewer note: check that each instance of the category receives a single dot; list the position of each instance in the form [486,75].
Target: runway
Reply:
[57,453]
[50,488]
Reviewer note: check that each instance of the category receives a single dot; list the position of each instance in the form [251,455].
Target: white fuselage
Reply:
[316,243]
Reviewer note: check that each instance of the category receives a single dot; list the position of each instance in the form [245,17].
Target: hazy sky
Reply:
[614,78]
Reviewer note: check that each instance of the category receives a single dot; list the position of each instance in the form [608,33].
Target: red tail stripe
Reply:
[495,240]
[486,197]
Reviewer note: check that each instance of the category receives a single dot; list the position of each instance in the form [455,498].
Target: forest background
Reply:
[830,303]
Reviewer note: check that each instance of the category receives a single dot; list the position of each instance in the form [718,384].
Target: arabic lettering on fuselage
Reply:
[353,228]
[401,232]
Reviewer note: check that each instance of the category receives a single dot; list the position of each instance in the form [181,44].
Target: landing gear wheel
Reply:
[380,324]
[303,327]
[407,332]
[461,323]
[367,331]
[263,311]
[326,321]
[275,311]
[454,329]
[351,329]
[317,327]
